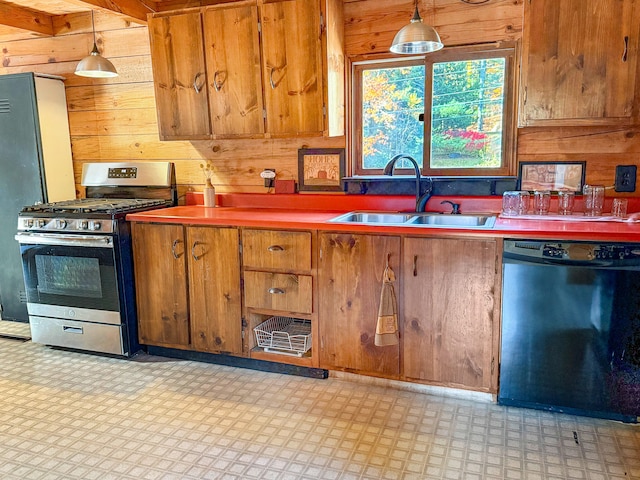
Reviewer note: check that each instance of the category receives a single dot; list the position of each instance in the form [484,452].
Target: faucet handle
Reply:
[455,207]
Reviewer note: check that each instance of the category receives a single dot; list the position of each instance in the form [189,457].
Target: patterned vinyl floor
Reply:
[67,415]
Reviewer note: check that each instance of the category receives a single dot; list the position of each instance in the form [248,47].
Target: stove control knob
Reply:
[28,223]
[61,224]
[41,223]
[83,225]
[94,225]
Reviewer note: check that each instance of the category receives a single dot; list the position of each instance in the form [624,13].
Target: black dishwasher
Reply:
[571,328]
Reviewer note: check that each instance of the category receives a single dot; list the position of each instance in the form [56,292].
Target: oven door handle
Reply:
[101,241]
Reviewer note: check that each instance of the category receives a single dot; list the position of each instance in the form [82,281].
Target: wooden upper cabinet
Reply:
[217,76]
[180,78]
[232,51]
[292,66]
[579,62]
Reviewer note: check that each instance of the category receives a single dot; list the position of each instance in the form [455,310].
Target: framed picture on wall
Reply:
[553,176]
[321,169]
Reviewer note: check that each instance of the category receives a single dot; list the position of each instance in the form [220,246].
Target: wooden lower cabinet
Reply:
[450,312]
[161,285]
[188,287]
[349,283]
[214,289]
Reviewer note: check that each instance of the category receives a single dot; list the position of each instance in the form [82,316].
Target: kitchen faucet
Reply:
[421,201]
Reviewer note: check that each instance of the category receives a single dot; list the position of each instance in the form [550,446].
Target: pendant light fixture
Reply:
[95,65]
[416,38]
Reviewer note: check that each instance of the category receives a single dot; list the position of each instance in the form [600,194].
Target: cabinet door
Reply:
[579,61]
[179,76]
[292,66]
[350,281]
[234,71]
[214,289]
[161,285]
[449,306]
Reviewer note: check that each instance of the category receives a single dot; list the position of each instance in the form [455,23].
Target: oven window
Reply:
[71,276]
[75,276]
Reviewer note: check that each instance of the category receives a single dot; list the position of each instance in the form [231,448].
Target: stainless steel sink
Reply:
[453,221]
[424,220]
[382,218]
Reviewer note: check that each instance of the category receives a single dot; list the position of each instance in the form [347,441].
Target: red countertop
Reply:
[297,211]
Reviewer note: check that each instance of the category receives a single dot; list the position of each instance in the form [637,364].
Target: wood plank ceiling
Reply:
[38,16]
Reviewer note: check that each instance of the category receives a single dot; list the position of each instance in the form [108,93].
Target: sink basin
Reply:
[424,220]
[382,218]
[453,221]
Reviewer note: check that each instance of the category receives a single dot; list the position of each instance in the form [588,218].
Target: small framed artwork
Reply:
[553,176]
[320,169]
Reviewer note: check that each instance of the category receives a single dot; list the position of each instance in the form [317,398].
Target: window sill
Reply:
[405,185]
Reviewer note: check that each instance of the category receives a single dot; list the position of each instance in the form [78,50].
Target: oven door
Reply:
[70,276]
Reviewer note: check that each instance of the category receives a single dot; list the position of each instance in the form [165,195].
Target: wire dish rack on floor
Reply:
[284,335]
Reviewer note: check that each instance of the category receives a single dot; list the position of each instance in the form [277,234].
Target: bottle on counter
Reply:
[209,194]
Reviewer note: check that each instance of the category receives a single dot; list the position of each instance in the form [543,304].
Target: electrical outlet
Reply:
[625,178]
[269,175]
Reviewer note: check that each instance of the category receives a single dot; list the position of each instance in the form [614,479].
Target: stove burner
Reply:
[95,205]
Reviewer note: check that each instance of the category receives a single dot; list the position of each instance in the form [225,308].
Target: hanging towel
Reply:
[387,326]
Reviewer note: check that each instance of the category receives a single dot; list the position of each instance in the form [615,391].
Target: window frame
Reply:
[506,50]
[357,69]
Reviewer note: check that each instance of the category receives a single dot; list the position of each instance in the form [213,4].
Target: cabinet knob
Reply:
[276,291]
[275,248]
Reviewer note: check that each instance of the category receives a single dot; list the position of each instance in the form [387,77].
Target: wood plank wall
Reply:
[115,119]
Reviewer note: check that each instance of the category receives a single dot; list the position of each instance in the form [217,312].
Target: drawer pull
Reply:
[276,291]
[68,329]
[275,248]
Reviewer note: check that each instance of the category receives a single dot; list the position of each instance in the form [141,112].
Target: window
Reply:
[452,111]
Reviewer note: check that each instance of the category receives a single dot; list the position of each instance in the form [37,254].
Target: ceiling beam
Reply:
[136,10]
[25,18]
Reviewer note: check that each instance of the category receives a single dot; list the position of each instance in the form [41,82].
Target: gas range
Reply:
[77,257]
[94,215]
[113,190]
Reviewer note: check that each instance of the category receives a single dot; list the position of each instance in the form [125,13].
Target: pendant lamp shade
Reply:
[95,65]
[416,38]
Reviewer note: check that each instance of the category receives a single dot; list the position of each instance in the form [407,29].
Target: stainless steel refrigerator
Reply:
[35,166]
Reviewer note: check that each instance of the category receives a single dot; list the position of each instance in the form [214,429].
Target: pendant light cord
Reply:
[93,27]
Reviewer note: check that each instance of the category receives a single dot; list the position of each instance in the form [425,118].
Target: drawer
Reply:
[278,291]
[278,250]
[94,337]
